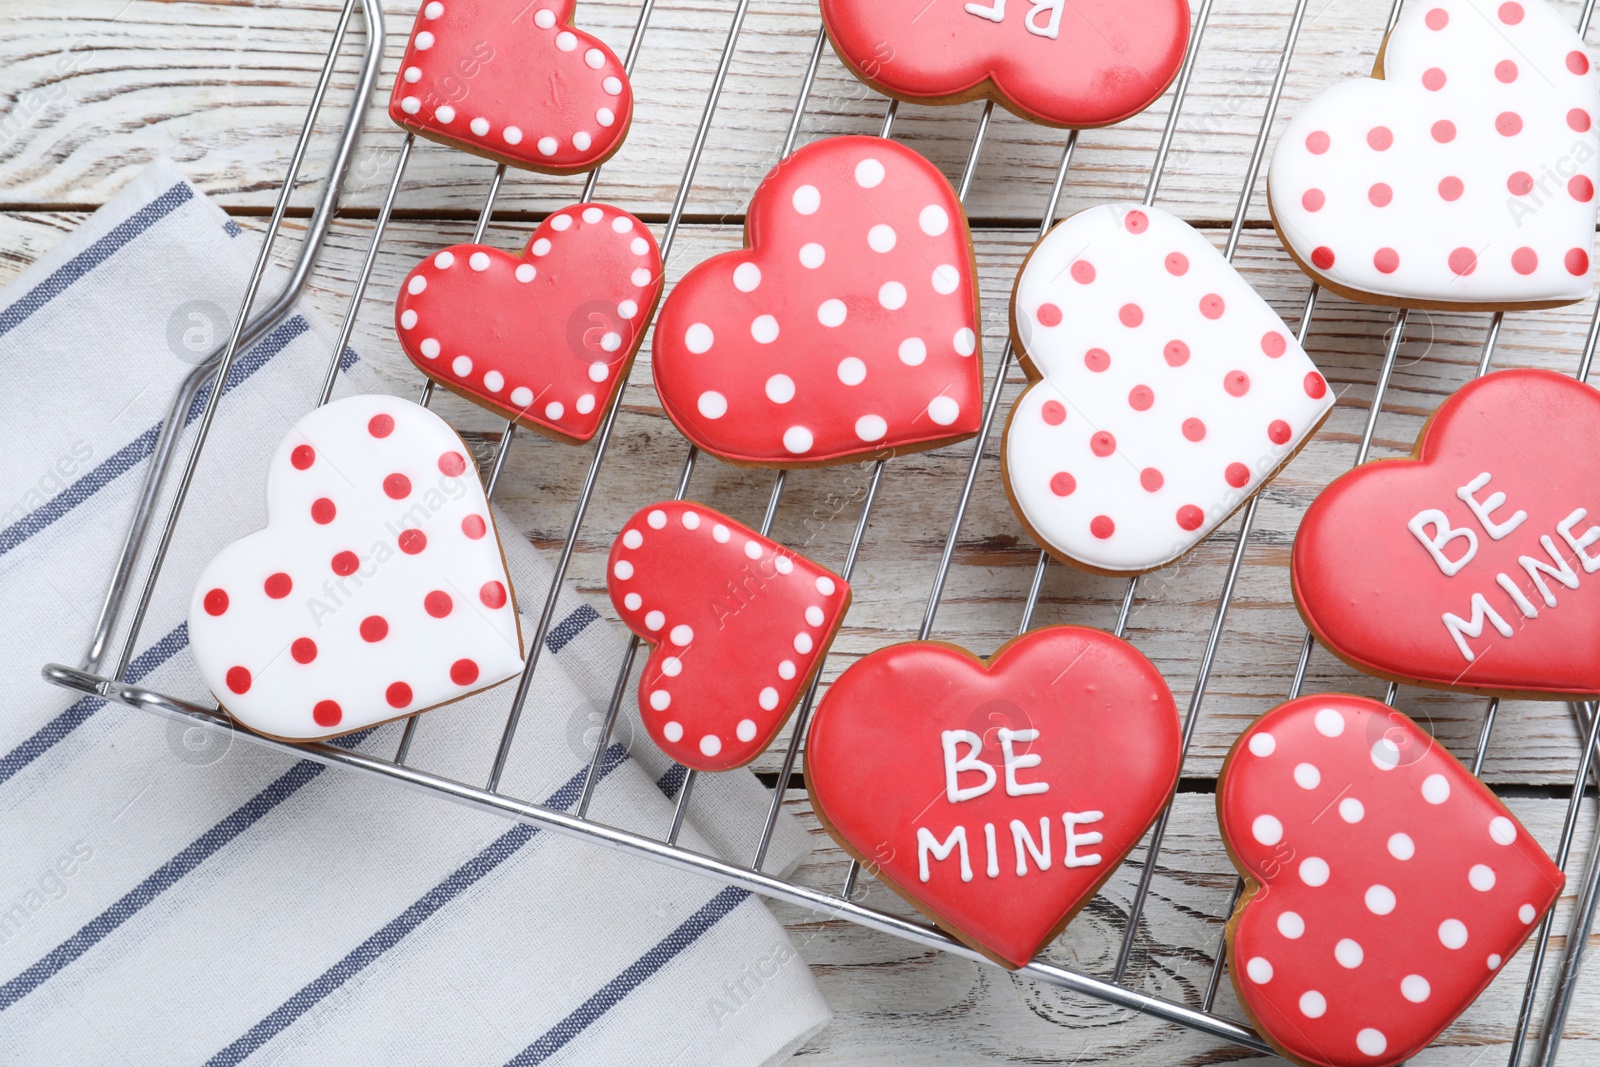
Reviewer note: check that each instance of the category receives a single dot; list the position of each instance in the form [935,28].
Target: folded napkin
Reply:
[169,897]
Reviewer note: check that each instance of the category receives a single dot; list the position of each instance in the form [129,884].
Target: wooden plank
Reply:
[96,89]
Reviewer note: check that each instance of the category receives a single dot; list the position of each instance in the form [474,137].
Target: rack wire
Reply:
[94,678]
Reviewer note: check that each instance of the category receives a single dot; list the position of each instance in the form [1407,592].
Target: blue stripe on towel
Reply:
[637,973]
[168,874]
[63,277]
[140,448]
[360,957]
[59,727]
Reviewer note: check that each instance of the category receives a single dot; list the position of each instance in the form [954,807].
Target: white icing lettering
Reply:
[953,766]
[1524,605]
[1578,544]
[1441,536]
[1071,820]
[1561,572]
[1481,611]
[1015,763]
[927,843]
[994,13]
[1484,509]
[1022,840]
[993,867]
[1052,25]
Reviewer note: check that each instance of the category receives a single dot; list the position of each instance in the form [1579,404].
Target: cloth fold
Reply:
[168,896]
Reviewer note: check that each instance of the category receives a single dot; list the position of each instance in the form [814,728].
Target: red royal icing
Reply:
[1486,547]
[514,81]
[1080,64]
[1385,884]
[737,624]
[1049,775]
[546,337]
[848,325]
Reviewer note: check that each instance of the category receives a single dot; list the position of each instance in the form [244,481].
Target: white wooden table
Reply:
[93,89]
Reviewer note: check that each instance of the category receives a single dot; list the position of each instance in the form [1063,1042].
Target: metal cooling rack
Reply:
[95,677]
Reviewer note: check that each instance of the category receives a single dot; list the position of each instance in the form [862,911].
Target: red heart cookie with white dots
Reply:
[377,590]
[996,796]
[1461,174]
[1386,886]
[1087,63]
[1473,565]
[1166,391]
[515,81]
[547,337]
[847,326]
[737,625]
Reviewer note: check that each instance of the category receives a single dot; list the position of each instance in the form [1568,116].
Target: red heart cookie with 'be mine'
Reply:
[996,797]
[547,337]
[1087,63]
[515,81]
[738,625]
[1386,886]
[1470,567]
[847,327]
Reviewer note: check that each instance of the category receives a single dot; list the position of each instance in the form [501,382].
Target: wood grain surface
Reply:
[93,90]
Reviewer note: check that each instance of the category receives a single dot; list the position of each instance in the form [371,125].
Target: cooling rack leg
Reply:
[172,426]
[1541,939]
[1583,914]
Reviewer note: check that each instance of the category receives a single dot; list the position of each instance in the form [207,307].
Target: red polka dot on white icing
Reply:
[1134,319]
[1473,107]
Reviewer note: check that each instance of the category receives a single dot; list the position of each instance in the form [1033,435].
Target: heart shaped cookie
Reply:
[547,337]
[1385,885]
[1087,63]
[377,589]
[514,81]
[847,327]
[996,797]
[1462,174]
[1469,567]
[737,625]
[1166,391]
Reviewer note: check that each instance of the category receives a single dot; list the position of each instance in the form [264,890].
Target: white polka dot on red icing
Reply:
[671,556]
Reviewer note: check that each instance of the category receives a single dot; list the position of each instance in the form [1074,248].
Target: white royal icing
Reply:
[1171,390]
[377,586]
[1466,175]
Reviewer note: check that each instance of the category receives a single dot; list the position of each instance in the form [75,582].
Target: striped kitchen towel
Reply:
[169,897]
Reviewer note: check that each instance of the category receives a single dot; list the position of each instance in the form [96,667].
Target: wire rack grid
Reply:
[116,616]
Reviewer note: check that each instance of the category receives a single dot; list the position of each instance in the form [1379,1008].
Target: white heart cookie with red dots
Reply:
[515,81]
[1462,174]
[738,625]
[1166,391]
[546,338]
[376,591]
[848,325]
[1385,885]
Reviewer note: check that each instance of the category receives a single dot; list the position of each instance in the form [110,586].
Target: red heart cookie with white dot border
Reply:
[737,623]
[514,81]
[1462,174]
[1386,886]
[377,589]
[1048,61]
[547,337]
[1166,391]
[995,796]
[1471,566]
[847,327]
